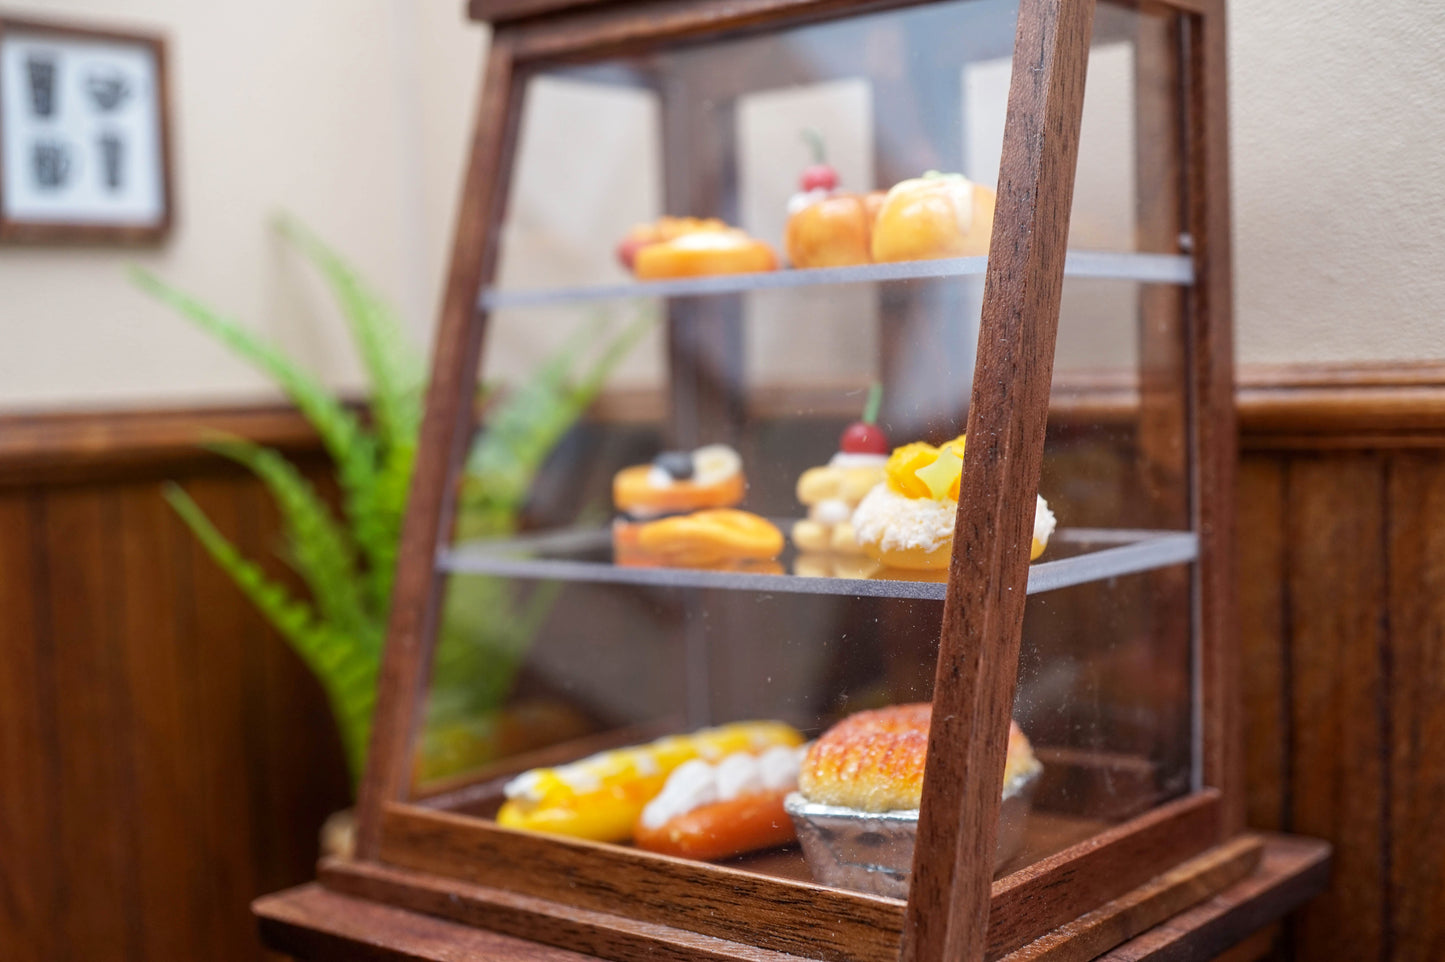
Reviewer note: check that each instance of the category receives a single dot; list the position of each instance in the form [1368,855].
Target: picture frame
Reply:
[85,138]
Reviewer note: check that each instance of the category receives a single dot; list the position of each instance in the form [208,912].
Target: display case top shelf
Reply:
[1104,265]
[583,555]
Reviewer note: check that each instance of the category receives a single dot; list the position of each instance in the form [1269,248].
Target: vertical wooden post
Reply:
[948,905]
[1214,417]
[445,435]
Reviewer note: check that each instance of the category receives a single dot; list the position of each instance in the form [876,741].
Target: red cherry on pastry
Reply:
[863,438]
[819,177]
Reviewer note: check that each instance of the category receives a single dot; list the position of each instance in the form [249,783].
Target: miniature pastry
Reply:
[660,231]
[710,477]
[828,227]
[703,539]
[831,492]
[936,215]
[699,253]
[708,811]
[907,521]
[601,797]
[873,761]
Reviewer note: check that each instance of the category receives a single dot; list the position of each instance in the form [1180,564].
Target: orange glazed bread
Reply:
[873,761]
[703,253]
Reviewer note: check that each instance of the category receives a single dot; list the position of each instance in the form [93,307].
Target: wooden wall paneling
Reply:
[29,886]
[168,873]
[1336,538]
[96,815]
[1415,886]
[221,625]
[1263,615]
[301,767]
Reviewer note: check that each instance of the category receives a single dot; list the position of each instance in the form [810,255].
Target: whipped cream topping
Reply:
[850,459]
[897,522]
[830,511]
[801,201]
[710,240]
[697,783]
[1044,521]
[711,464]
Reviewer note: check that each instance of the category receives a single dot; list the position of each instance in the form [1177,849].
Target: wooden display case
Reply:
[1125,671]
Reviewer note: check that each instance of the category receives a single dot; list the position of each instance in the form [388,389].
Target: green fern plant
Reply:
[347,561]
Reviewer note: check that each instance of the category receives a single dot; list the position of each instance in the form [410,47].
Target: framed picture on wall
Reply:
[84,135]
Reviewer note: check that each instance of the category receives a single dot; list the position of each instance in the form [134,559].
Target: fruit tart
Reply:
[907,521]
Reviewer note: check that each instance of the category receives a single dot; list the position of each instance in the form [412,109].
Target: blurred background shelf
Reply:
[1103,265]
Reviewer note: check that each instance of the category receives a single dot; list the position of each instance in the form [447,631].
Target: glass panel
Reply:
[588,607]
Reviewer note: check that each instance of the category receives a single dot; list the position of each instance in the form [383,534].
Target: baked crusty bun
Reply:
[873,761]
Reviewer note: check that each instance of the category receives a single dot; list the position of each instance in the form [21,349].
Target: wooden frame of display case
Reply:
[624,904]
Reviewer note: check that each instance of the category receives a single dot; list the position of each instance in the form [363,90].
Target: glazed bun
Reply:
[833,231]
[873,761]
[936,215]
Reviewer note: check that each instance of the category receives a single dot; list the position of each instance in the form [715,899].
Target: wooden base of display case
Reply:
[363,910]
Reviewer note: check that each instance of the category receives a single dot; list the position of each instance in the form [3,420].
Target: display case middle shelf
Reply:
[1103,265]
[585,554]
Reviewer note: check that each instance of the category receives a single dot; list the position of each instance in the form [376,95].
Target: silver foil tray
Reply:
[873,851]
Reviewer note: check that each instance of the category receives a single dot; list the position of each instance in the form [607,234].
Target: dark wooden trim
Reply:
[445,435]
[948,905]
[568,876]
[1382,405]
[1206,116]
[1064,886]
[319,924]
[87,446]
[1153,902]
[501,11]
[781,915]
[45,232]
[1292,871]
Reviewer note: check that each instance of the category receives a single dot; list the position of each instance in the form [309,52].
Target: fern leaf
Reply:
[392,362]
[347,669]
[321,550]
[348,443]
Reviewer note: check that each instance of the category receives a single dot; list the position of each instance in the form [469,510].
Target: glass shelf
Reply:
[578,554]
[1104,265]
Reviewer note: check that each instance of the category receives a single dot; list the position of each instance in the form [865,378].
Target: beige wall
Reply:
[307,106]
[354,113]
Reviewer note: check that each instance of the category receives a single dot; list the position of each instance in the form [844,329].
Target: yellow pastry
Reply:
[600,797]
[936,215]
[701,539]
[704,253]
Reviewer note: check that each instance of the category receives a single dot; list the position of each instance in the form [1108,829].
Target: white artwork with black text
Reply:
[79,131]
